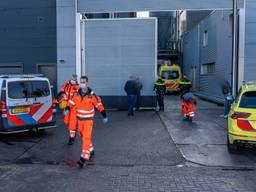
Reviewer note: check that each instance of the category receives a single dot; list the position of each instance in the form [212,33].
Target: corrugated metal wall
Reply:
[67,40]
[28,33]
[115,49]
[195,17]
[191,61]
[250,41]
[218,51]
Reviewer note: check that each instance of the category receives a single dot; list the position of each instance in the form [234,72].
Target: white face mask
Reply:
[72,82]
[83,85]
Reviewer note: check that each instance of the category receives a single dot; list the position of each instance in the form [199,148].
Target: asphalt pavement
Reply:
[127,141]
[204,141]
[148,152]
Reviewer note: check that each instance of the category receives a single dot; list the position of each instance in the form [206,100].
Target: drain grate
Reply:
[238,169]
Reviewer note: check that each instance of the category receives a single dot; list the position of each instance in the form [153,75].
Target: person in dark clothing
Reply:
[139,88]
[160,89]
[185,85]
[131,91]
[187,98]
[226,90]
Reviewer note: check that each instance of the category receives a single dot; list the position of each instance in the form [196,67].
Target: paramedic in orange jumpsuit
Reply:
[69,89]
[85,102]
[186,104]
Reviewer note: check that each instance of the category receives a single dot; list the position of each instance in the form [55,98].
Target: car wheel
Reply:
[231,147]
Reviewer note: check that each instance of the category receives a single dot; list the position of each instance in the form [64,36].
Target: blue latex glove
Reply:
[105,120]
[66,112]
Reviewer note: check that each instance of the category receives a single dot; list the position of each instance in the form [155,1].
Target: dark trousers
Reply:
[137,106]
[131,103]
[160,100]
[227,105]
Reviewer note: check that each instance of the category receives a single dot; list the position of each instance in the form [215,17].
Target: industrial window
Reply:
[142,14]
[208,68]
[230,21]
[205,38]
[9,68]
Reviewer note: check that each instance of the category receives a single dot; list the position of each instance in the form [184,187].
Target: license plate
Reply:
[20,110]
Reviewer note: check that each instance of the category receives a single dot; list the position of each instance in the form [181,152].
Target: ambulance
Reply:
[242,118]
[26,103]
[171,74]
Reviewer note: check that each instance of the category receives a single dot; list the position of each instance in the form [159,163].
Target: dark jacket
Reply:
[160,87]
[131,87]
[139,86]
[185,85]
[226,88]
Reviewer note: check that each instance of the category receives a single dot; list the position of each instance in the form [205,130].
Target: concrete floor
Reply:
[204,140]
[148,152]
[139,140]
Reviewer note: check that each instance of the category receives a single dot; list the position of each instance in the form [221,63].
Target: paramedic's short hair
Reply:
[84,77]
[74,76]
[132,77]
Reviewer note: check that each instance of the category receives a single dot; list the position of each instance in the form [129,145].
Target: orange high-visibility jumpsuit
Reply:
[70,119]
[85,112]
[188,108]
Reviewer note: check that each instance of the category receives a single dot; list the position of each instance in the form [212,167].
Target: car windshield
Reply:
[168,74]
[248,100]
[28,89]
[40,89]
[18,90]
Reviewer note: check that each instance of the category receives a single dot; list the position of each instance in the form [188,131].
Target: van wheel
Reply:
[231,147]
[41,132]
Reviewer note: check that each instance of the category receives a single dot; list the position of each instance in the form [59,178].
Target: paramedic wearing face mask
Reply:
[84,103]
[68,90]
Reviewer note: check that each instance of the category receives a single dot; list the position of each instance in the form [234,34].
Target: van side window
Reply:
[18,90]
[40,89]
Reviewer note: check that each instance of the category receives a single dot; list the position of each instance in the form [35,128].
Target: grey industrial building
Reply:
[53,37]
[207,54]
[207,50]
[28,37]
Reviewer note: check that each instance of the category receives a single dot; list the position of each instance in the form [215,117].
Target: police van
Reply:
[26,103]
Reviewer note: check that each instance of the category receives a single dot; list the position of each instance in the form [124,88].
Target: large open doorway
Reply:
[194,49]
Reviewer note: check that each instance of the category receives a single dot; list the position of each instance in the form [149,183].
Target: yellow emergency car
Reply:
[171,74]
[242,118]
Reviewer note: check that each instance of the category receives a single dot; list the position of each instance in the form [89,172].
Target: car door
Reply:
[19,103]
[41,110]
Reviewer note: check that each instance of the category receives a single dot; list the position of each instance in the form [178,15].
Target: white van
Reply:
[26,103]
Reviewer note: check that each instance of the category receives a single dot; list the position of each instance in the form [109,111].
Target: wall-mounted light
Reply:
[62,61]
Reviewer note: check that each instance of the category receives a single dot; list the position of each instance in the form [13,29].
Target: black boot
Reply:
[92,154]
[161,108]
[71,141]
[81,162]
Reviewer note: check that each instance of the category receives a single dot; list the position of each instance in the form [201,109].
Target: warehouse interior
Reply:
[44,37]
[200,42]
